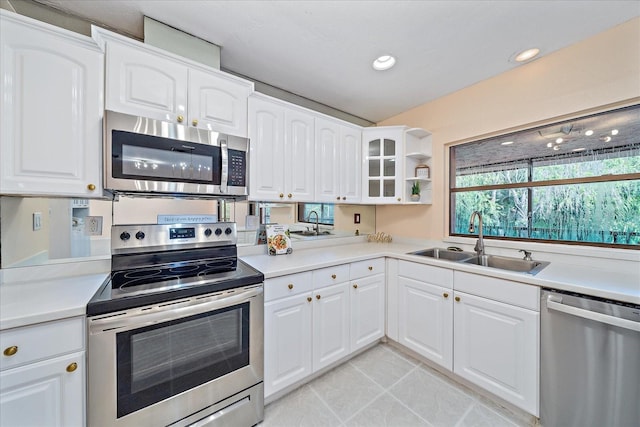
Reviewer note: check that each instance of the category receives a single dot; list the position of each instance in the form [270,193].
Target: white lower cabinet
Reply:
[43,375]
[316,318]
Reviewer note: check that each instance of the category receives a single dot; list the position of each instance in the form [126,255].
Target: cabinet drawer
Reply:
[426,273]
[330,275]
[289,285]
[42,341]
[520,294]
[366,268]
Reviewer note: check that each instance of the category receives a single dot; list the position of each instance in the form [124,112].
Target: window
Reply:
[324,211]
[572,182]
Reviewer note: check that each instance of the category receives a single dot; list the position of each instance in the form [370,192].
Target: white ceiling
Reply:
[322,50]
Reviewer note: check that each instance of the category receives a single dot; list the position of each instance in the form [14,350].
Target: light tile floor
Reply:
[385,387]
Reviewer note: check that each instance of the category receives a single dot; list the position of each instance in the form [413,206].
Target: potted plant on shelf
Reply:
[415,191]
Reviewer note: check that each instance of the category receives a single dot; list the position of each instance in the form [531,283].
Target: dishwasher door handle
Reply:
[555,303]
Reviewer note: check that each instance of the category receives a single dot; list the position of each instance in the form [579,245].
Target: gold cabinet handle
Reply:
[318,296]
[446,295]
[355,286]
[194,122]
[72,367]
[10,351]
[281,195]
[180,119]
[457,299]
[290,286]
[309,299]
[289,195]
[333,276]
[91,187]
[370,268]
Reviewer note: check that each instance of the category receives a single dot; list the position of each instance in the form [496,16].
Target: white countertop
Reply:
[36,301]
[596,281]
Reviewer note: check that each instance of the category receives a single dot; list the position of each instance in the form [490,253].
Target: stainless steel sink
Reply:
[507,263]
[446,254]
[309,233]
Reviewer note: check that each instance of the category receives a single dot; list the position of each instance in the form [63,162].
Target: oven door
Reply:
[156,365]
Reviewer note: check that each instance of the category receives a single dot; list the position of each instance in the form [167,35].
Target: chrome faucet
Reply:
[316,229]
[479,248]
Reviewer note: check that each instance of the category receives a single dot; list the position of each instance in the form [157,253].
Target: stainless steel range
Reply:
[176,333]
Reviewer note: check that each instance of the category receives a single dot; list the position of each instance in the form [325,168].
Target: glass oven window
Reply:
[160,361]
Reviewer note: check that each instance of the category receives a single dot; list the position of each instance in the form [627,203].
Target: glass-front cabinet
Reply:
[396,164]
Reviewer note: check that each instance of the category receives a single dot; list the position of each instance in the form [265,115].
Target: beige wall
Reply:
[17,223]
[597,73]
[343,217]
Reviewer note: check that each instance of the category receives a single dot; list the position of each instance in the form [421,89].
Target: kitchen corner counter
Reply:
[588,280]
[37,301]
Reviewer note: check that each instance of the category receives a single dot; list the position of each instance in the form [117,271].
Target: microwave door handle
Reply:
[224,173]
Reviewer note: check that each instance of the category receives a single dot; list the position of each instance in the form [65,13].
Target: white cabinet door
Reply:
[425,318]
[327,161]
[299,166]
[50,111]
[287,342]
[45,393]
[331,324]
[382,179]
[350,152]
[266,132]
[216,103]
[367,310]
[144,84]
[496,347]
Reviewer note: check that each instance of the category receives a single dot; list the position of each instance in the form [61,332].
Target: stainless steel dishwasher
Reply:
[589,361]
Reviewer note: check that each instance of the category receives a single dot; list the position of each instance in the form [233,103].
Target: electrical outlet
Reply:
[356,218]
[93,225]
[37,221]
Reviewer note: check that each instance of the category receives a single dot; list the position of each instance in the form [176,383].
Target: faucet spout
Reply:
[479,248]
[316,228]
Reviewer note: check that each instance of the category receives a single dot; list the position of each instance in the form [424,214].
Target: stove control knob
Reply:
[228,231]
[125,236]
[139,235]
[218,231]
[207,232]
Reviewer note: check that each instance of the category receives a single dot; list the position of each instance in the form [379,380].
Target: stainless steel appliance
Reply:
[590,361]
[175,336]
[143,155]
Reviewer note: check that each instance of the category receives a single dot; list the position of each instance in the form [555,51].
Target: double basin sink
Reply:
[493,261]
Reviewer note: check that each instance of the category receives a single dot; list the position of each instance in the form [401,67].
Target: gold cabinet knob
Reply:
[91,187]
[309,299]
[370,268]
[338,198]
[457,299]
[399,199]
[355,286]
[318,296]
[281,195]
[290,286]
[289,195]
[180,119]
[194,122]
[72,367]
[10,351]
[446,295]
[344,198]
[333,276]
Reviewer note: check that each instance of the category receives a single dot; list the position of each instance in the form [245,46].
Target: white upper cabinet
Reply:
[282,147]
[395,160]
[338,170]
[146,81]
[50,110]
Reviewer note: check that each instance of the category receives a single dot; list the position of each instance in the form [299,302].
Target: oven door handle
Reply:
[145,316]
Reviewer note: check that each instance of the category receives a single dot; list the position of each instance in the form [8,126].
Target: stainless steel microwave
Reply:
[143,155]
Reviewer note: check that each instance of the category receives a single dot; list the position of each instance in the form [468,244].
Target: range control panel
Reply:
[134,238]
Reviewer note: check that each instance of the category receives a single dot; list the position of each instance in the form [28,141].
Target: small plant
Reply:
[415,188]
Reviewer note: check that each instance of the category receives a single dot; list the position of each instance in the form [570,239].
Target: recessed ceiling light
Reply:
[605,138]
[614,132]
[527,55]
[549,144]
[384,62]
[556,147]
[589,132]
[506,143]
[559,140]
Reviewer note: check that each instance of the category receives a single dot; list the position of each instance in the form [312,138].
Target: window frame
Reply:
[530,185]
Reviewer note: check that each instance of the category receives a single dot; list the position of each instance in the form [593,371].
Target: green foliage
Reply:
[415,188]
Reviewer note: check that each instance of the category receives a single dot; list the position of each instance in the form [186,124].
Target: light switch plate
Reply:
[93,225]
[37,221]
